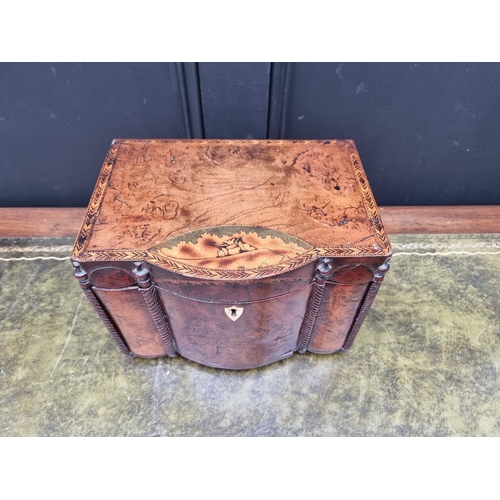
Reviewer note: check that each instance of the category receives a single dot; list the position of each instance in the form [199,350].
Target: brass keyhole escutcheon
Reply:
[233,312]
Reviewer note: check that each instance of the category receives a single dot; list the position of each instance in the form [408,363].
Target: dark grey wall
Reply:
[235,99]
[57,122]
[428,134]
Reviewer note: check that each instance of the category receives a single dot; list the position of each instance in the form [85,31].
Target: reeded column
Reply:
[365,306]
[82,277]
[323,272]
[153,304]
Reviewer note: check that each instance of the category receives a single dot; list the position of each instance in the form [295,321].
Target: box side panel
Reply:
[129,313]
[266,330]
[336,316]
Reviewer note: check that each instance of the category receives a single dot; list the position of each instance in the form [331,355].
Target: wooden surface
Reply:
[60,222]
[230,209]
[40,222]
[151,191]
[441,220]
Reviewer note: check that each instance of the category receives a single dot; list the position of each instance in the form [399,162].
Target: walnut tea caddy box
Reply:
[231,253]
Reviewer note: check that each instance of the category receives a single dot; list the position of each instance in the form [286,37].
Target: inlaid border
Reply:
[179,267]
[366,193]
[96,200]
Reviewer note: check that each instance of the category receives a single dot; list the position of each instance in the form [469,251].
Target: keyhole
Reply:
[233,313]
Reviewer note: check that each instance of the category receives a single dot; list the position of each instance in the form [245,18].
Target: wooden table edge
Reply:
[66,222]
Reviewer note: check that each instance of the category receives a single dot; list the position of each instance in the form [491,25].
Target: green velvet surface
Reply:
[425,362]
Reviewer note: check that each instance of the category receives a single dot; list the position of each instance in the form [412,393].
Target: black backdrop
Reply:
[427,133]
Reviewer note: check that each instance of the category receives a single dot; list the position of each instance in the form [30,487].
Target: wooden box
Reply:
[231,253]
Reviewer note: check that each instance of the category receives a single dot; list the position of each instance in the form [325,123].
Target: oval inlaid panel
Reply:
[233,247]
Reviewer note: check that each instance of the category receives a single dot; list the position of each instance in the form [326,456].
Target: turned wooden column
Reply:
[160,319]
[323,272]
[366,304]
[82,277]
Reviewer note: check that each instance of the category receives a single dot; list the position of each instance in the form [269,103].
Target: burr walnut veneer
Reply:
[234,254]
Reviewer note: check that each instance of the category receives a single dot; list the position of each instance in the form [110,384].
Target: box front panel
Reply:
[238,291]
[263,332]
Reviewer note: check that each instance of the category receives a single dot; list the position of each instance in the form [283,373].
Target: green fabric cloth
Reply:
[425,362]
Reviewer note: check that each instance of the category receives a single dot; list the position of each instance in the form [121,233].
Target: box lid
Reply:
[231,209]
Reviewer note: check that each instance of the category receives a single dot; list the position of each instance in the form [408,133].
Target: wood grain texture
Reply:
[40,222]
[442,220]
[335,319]
[266,331]
[66,222]
[151,191]
[85,283]
[133,319]
[177,204]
